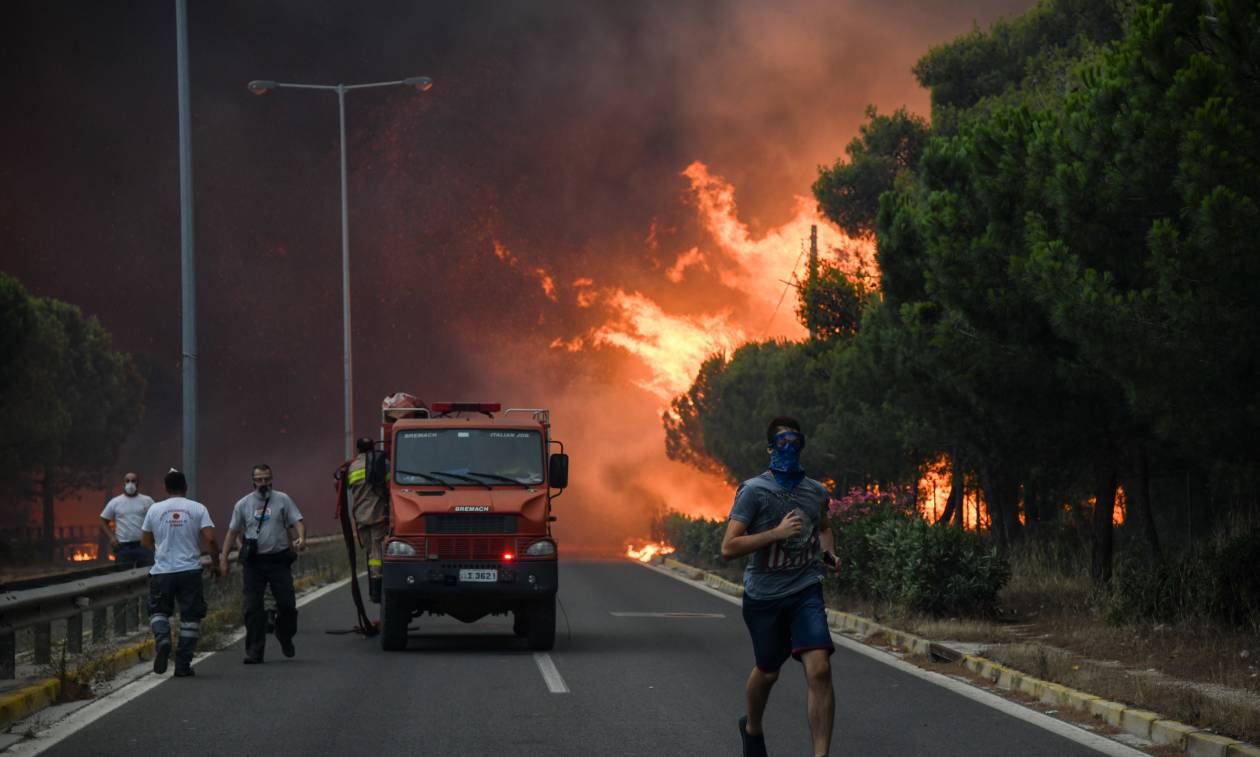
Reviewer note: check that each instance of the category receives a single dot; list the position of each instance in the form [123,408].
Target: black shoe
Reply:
[184,672]
[287,648]
[754,746]
[161,653]
[252,661]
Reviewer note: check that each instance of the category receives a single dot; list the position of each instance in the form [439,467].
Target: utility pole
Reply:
[813,272]
[187,267]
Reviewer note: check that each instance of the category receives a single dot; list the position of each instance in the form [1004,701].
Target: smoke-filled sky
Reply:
[592,197]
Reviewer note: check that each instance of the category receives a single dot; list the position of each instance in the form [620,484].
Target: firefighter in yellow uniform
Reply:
[368,479]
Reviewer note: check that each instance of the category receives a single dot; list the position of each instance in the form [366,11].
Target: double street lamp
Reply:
[420,83]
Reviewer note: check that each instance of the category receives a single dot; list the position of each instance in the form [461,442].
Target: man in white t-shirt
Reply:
[175,529]
[127,512]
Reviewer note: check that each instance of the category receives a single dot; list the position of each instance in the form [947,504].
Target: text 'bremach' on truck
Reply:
[470,517]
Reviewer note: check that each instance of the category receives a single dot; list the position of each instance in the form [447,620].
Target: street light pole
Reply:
[187,264]
[421,83]
[346,366]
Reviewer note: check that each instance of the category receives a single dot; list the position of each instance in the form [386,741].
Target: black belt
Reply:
[128,544]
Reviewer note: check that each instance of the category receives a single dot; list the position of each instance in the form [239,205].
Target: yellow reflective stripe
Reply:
[374,563]
[357,476]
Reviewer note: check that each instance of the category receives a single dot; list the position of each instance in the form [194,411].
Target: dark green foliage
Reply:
[888,146]
[831,305]
[1214,582]
[698,540]
[68,399]
[1015,54]
[895,556]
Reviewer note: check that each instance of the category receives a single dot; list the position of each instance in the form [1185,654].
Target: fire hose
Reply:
[366,625]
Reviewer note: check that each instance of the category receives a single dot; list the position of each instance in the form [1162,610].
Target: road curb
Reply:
[27,701]
[1133,720]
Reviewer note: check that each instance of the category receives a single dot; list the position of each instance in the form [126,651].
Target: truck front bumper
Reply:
[447,579]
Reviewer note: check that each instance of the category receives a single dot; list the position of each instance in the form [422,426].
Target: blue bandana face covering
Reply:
[785,458]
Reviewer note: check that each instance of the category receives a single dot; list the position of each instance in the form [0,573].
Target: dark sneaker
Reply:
[184,672]
[754,746]
[252,661]
[287,648]
[161,653]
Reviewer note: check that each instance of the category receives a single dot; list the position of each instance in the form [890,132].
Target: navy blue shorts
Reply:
[787,626]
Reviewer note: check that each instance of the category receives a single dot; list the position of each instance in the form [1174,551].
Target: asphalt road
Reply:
[637,685]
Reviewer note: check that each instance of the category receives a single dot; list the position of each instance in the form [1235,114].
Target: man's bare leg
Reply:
[758,692]
[821,699]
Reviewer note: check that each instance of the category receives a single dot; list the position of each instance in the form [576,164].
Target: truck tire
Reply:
[520,623]
[395,617]
[540,625]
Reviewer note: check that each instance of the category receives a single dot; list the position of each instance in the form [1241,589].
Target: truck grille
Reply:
[474,548]
[470,524]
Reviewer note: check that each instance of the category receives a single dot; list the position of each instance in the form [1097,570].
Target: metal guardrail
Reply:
[124,591]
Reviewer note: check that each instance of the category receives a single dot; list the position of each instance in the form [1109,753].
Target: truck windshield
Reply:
[471,457]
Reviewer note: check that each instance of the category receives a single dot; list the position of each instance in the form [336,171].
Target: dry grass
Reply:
[1051,626]
[1231,712]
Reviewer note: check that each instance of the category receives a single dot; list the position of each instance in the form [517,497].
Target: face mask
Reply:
[131,488]
[785,452]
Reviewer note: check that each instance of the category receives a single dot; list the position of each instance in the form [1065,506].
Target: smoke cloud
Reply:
[591,199]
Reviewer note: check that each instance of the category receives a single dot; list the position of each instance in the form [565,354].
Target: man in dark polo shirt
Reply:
[780,519]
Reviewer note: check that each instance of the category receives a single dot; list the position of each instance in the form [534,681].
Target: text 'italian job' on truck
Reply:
[470,518]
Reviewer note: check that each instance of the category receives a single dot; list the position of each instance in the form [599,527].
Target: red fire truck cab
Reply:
[470,517]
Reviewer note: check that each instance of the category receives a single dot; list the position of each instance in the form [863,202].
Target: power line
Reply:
[786,285]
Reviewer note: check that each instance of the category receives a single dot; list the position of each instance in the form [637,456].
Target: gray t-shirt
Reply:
[790,565]
[270,524]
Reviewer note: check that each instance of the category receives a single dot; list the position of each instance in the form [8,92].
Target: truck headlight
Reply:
[399,548]
[543,548]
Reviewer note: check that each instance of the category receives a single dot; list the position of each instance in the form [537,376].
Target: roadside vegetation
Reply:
[1040,415]
[68,401]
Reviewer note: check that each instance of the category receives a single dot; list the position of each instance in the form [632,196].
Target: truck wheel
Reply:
[520,623]
[540,627]
[395,617]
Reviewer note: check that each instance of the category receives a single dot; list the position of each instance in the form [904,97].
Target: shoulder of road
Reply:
[34,696]
[1133,720]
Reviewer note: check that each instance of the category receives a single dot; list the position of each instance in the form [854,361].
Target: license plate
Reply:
[478,576]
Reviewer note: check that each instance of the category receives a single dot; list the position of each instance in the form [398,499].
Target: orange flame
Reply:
[83,553]
[934,490]
[648,551]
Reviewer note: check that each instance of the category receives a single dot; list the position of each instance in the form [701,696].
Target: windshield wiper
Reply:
[461,477]
[425,476]
[497,477]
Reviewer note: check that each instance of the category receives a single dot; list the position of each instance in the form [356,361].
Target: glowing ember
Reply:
[648,551]
[82,553]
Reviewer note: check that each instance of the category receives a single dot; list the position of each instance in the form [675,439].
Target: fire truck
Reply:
[470,492]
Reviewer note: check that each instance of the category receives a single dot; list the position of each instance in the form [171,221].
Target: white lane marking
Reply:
[555,683]
[1067,730]
[144,681]
[666,614]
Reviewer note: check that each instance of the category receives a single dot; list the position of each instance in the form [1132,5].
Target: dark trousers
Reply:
[184,588]
[132,552]
[263,571]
